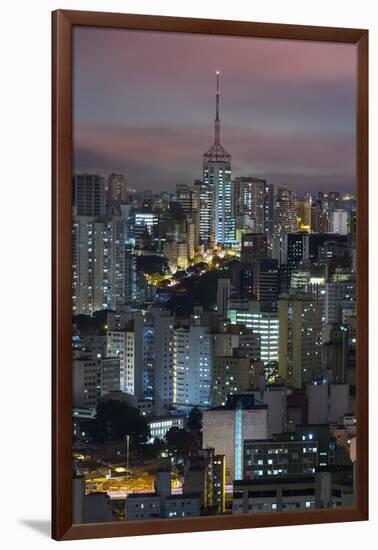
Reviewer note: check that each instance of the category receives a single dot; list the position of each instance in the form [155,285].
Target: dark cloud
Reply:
[144,103]
[161,157]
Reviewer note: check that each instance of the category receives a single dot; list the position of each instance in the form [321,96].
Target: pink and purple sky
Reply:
[144,105]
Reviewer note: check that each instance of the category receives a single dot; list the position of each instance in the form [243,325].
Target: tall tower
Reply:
[217,176]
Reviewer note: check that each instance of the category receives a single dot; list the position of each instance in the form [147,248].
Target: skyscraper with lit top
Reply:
[217,175]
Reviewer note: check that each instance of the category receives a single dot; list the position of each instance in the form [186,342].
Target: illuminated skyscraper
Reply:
[263,323]
[303,212]
[285,220]
[192,366]
[163,359]
[204,198]
[254,202]
[185,196]
[103,270]
[300,327]
[121,344]
[217,175]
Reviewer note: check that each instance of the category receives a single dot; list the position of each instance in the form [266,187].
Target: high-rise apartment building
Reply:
[234,337]
[254,199]
[340,297]
[117,191]
[88,195]
[339,221]
[253,248]
[163,359]
[205,475]
[300,338]
[205,206]
[144,330]
[319,219]
[193,359]
[303,213]
[232,375]
[285,220]
[264,323]
[121,344]
[99,278]
[223,295]
[266,280]
[145,224]
[93,377]
[186,198]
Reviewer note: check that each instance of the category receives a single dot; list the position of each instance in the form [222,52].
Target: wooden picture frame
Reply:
[63,23]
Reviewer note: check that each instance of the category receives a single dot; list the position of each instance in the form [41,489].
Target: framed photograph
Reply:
[210,275]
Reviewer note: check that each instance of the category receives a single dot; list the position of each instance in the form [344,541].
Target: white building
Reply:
[192,366]
[159,426]
[339,221]
[121,344]
[217,174]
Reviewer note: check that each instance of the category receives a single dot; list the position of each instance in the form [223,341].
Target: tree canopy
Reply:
[181,443]
[195,419]
[152,264]
[199,291]
[115,419]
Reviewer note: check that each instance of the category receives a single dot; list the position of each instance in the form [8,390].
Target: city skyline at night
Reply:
[213,277]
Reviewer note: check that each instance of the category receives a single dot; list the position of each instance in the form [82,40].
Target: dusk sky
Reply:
[144,105]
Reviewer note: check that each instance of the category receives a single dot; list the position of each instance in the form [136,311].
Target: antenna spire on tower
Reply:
[217,153]
[217,120]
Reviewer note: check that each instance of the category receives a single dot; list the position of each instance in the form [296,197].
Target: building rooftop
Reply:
[166,417]
[245,401]
[287,480]
[142,495]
